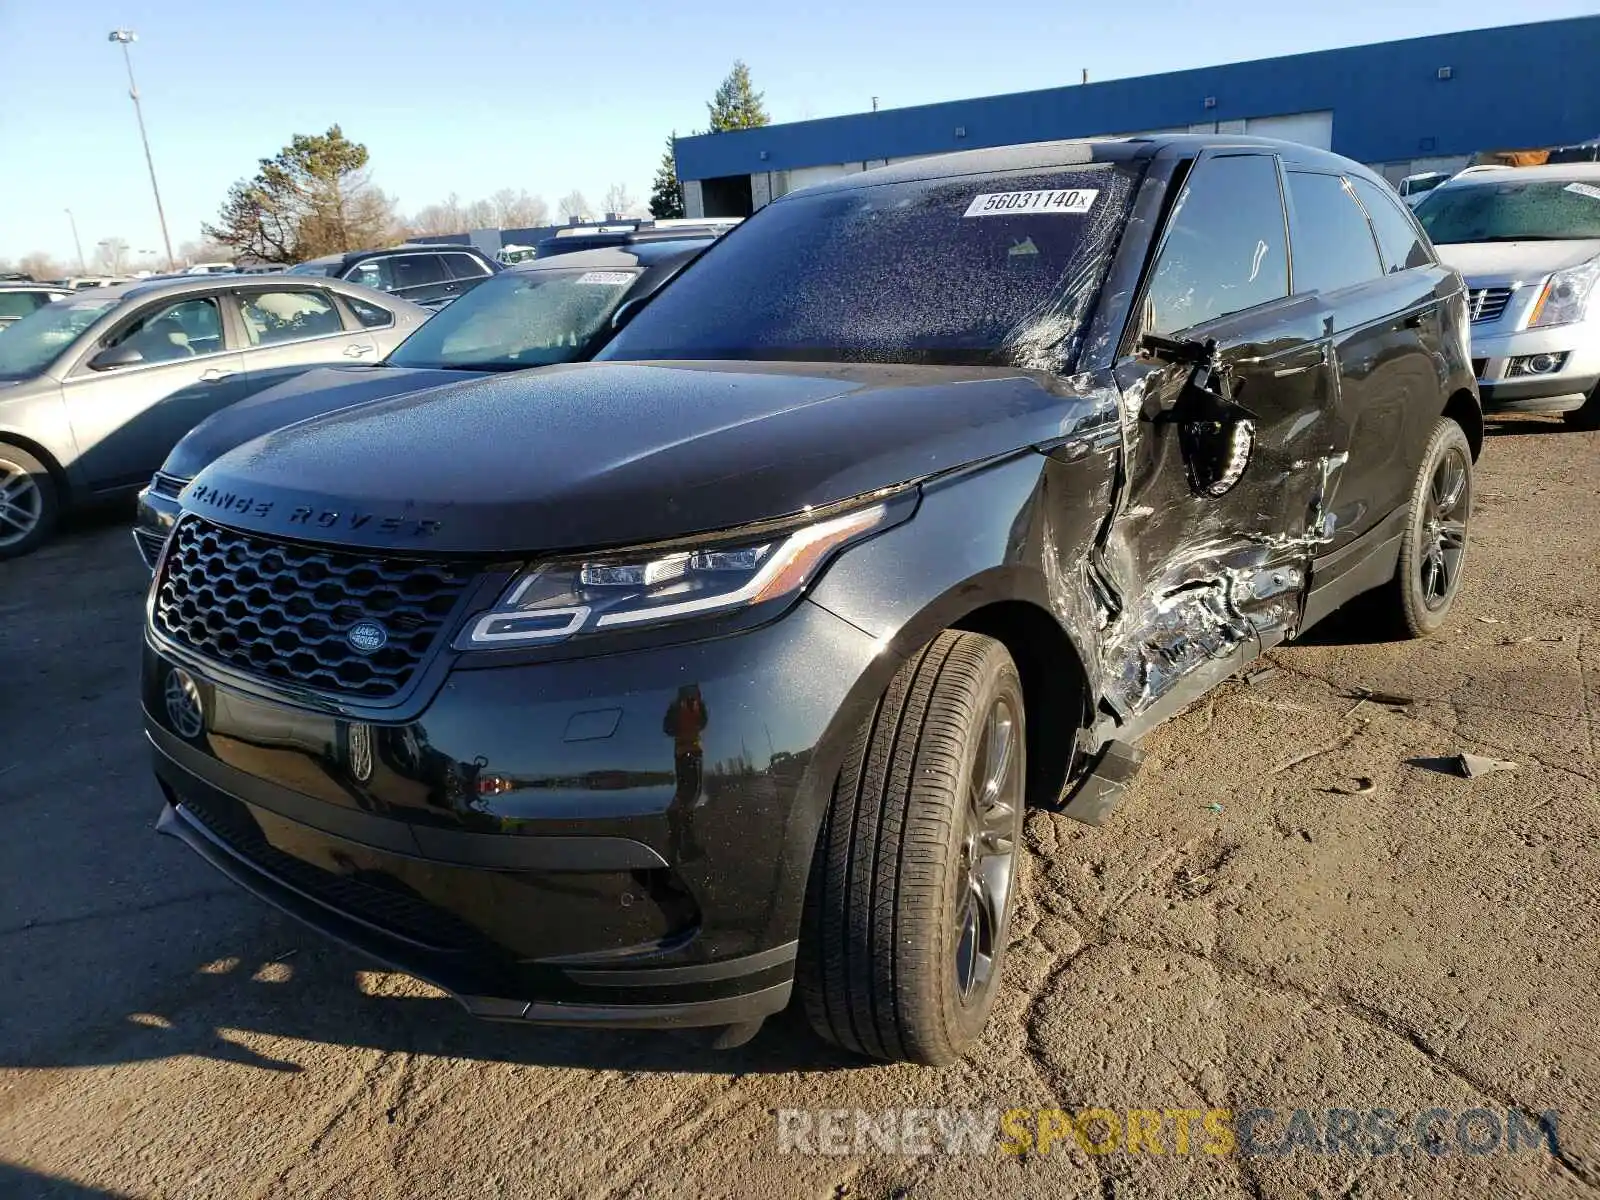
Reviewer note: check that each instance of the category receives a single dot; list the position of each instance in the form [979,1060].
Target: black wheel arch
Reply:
[1465,410]
[63,481]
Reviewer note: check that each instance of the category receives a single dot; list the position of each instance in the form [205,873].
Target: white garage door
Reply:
[1309,129]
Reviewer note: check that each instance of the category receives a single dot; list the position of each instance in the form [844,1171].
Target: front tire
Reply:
[29,502]
[908,910]
[1434,549]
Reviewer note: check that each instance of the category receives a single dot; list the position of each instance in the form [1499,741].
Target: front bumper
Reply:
[1497,344]
[548,842]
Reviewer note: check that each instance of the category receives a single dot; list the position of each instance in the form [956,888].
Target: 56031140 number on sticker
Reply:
[1064,201]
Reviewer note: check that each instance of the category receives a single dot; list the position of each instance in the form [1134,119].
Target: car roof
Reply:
[1578,172]
[352,256]
[637,254]
[19,285]
[1062,155]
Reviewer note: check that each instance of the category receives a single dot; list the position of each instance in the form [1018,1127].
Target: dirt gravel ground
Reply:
[1250,930]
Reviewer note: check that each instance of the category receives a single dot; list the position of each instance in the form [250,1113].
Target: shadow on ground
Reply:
[241,1008]
[19,1183]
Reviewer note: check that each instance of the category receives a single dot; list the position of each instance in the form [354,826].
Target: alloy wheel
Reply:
[1444,529]
[988,851]
[21,503]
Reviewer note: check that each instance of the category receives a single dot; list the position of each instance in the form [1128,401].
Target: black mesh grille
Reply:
[384,905]
[283,610]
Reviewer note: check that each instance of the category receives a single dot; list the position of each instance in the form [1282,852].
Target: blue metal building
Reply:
[1416,105]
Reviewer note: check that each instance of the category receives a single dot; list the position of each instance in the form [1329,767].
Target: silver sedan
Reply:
[97,387]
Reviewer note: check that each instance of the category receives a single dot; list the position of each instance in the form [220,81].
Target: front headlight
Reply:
[553,601]
[1566,296]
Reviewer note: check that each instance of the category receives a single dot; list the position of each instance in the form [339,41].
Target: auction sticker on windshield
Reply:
[610,277]
[1585,189]
[1006,204]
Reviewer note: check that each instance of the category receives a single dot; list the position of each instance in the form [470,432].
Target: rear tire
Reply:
[1588,416]
[1433,552]
[30,503]
[908,909]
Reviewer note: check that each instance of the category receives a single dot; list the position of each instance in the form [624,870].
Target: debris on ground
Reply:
[1390,699]
[1364,786]
[1464,765]
[1213,807]
[1490,620]
[1473,765]
[1261,675]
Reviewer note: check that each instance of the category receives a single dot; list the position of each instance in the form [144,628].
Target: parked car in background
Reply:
[534,315]
[631,233]
[17,300]
[209,268]
[431,276]
[79,283]
[1528,241]
[96,388]
[655,689]
[1414,187]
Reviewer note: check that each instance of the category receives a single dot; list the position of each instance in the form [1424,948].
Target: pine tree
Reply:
[737,105]
[666,196]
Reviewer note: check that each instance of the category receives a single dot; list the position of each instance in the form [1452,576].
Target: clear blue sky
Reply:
[470,97]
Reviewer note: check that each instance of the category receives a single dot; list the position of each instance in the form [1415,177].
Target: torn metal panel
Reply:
[1231,461]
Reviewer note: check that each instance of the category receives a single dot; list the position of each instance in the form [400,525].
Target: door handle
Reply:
[357,351]
[215,375]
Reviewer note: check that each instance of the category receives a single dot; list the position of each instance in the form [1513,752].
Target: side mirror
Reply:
[626,311]
[113,357]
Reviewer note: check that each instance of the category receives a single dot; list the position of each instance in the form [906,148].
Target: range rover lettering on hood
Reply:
[217,501]
[623,454]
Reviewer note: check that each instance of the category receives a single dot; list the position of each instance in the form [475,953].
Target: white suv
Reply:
[1527,239]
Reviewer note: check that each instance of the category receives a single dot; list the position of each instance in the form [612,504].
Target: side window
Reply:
[1333,246]
[373,273]
[1398,236]
[20,304]
[371,316]
[1225,249]
[286,316]
[169,332]
[417,270]
[464,266]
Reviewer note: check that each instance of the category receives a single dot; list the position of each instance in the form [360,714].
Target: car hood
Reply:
[1516,260]
[607,454]
[311,394]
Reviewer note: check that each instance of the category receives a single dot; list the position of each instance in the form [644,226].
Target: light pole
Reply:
[124,38]
[83,267]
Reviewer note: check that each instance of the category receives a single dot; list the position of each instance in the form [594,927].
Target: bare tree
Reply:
[111,256]
[573,205]
[516,209]
[204,250]
[440,218]
[479,214]
[40,265]
[620,201]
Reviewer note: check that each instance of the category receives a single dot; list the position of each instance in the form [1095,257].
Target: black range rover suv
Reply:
[647,691]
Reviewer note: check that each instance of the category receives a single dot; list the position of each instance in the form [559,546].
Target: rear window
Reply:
[1398,237]
[974,271]
[20,304]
